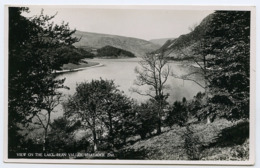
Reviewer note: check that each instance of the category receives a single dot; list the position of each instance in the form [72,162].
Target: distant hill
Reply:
[160,41]
[109,51]
[174,48]
[137,46]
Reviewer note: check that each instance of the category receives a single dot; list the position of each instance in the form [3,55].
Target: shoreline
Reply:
[77,69]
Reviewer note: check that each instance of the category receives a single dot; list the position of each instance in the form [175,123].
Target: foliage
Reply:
[61,136]
[109,51]
[236,152]
[43,117]
[178,113]
[197,106]
[229,69]
[71,54]
[220,46]
[103,109]
[231,143]
[192,144]
[171,145]
[33,43]
[241,152]
[146,119]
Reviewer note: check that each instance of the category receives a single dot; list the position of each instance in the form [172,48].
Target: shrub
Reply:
[192,144]
[145,119]
[178,114]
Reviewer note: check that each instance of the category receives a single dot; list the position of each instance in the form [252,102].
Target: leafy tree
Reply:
[146,119]
[178,114]
[18,103]
[100,107]
[61,136]
[197,105]
[154,72]
[230,67]
[32,58]
[71,54]
[116,114]
[221,48]
[192,144]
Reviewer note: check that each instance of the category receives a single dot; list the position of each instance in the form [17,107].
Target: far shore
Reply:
[87,63]
[70,67]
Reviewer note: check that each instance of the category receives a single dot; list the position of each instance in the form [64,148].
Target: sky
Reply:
[145,23]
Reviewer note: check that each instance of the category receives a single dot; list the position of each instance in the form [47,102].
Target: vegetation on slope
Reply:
[113,52]
[220,140]
[33,88]
[71,55]
[223,41]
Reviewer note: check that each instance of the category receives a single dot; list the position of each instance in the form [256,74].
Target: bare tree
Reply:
[43,117]
[154,72]
[199,56]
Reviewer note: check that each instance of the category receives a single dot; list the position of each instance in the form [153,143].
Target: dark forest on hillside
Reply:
[109,51]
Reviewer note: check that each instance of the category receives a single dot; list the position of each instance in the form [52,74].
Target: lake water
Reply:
[122,72]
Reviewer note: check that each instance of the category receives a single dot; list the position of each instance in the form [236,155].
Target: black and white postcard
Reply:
[130,84]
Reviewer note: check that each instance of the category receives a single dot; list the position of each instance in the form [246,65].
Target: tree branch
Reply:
[185,78]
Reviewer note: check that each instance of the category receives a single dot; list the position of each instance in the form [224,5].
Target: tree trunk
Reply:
[207,97]
[111,131]
[124,140]
[94,140]
[159,123]
[46,131]
[45,140]
[208,120]
[94,133]
[206,87]
[142,135]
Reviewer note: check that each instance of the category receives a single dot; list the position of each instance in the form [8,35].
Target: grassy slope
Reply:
[170,145]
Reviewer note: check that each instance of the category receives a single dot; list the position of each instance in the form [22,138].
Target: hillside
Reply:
[160,41]
[113,52]
[220,140]
[181,47]
[94,40]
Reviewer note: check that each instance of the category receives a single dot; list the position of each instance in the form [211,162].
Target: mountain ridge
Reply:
[186,42]
[90,40]
[161,41]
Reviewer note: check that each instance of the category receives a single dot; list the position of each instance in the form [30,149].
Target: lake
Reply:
[122,72]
